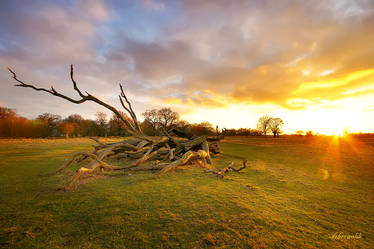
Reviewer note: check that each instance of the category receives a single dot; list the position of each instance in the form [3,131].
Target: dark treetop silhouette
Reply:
[168,152]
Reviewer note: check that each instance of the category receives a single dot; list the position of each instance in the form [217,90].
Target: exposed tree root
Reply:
[167,153]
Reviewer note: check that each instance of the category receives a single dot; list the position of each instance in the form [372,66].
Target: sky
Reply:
[310,63]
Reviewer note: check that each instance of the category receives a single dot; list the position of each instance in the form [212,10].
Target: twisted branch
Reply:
[132,128]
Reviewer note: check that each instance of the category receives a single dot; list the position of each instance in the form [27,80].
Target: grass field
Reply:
[297,193]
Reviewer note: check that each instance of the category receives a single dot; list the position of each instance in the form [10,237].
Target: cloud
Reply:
[48,34]
[194,53]
[41,41]
[153,5]
[239,50]
[95,9]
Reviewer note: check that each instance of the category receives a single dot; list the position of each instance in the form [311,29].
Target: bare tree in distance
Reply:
[116,126]
[263,124]
[50,123]
[167,152]
[161,120]
[275,126]
[309,133]
[7,112]
[101,120]
[49,118]
[167,118]
[299,132]
[75,118]
[151,117]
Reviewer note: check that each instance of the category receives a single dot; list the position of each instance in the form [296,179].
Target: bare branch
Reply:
[222,172]
[83,99]
[241,168]
[129,109]
[74,83]
[52,91]
[123,95]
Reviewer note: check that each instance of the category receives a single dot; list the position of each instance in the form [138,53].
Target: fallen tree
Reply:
[141,152]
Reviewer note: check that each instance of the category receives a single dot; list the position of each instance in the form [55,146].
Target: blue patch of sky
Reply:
[133,21]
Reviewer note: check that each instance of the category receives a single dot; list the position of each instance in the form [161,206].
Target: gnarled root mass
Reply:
[166,154]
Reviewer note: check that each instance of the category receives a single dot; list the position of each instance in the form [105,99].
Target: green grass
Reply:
[296,193]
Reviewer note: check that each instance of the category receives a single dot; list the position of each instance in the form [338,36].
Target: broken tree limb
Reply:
[88,97]
[222,172]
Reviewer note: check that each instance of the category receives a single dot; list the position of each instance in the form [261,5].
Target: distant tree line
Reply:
[156,122]
[243,132]
[51,125]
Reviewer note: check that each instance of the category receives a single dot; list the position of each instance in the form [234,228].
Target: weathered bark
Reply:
[187,158]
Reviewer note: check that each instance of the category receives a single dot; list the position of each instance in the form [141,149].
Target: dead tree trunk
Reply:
[167,152]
